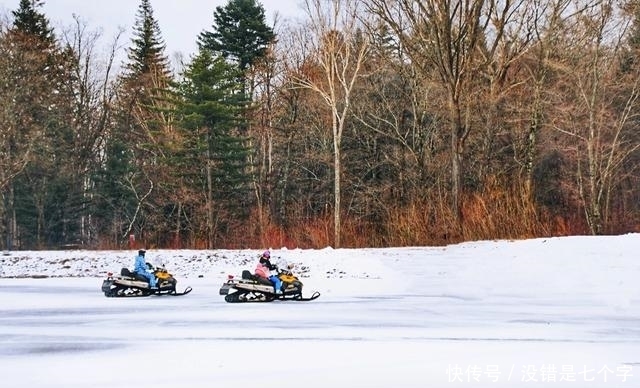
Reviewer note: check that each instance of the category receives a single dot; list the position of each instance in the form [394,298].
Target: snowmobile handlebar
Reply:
[284,271]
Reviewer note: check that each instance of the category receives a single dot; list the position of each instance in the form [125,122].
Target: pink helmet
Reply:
[266,254]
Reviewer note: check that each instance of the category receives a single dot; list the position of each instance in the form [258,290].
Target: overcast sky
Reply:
[180,20]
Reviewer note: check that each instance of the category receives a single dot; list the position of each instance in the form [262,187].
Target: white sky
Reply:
[548,312]
[180,20]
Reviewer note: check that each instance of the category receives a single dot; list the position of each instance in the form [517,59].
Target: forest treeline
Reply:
[365,123]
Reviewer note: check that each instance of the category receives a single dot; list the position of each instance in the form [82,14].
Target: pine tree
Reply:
[147,53]
[240,33]
[133,169]
[29,21]
[241,36]
[210,113]
[42,199]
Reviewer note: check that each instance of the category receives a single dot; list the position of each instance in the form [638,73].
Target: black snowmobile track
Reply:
[260,297]
[132,292]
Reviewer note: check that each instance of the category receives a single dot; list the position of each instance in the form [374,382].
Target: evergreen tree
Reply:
[30,21]
[210,113]
[42,201]
[240,33]
[147,53]
[133,166]
[241,36]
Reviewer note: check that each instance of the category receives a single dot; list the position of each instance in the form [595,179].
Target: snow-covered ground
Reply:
[553,312]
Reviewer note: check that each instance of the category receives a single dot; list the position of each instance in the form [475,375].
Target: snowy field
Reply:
[554,312]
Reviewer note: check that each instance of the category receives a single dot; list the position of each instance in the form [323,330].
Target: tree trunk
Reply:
[209,205]
[12,232]
[336,192]
[457,133]
[177,242]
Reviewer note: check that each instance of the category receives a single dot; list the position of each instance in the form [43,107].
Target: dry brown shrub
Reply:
[500,212]
[421,223]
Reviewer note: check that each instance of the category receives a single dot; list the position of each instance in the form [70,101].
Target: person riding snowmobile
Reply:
[140,268]
[264,268]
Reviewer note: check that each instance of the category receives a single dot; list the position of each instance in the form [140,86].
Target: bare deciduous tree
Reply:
[91,87]
[444,35]
[339,51]
[594,117]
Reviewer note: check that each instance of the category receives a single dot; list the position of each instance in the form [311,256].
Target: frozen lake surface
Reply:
[453,317]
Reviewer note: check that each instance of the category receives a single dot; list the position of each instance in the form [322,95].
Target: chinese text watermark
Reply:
[538,373]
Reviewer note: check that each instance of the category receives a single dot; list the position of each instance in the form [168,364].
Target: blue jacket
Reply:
[141,265]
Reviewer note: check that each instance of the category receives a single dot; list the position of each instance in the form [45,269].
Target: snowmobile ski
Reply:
[185,292]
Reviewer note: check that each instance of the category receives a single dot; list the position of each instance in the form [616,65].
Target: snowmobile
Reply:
[131,284]
[252,288]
